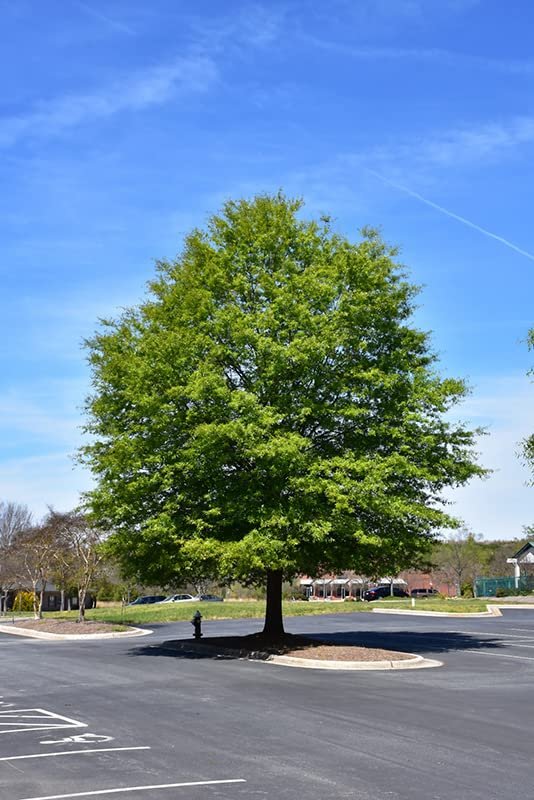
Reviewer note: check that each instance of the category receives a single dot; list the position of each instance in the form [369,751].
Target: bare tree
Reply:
[35,550]
[80,550]
[459,559]
[14,519]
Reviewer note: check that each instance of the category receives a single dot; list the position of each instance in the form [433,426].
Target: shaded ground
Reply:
[354,645]
[256,645]
[68,626]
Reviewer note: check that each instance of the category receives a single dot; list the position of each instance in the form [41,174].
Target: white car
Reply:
[178,598]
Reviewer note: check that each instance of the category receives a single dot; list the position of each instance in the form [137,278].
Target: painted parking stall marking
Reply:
[80,738]
[18,720]
[73,752]
[125,789]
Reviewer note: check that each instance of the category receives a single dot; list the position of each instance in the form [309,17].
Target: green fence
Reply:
[489,587]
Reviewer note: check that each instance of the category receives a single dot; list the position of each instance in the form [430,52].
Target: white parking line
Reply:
[135,789]
[498,655]
[73,752]
[495,634]
[34,719]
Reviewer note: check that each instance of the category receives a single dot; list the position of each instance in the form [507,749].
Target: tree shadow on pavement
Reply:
[420,643]
[409,641]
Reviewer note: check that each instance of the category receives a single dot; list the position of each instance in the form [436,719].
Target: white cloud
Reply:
[388,15]
[45,411]
[154,86]
[501,505]
[436,55]
[111,22]
[456,147]
[51,479]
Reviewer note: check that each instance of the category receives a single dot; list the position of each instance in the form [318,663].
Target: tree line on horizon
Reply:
[64,548]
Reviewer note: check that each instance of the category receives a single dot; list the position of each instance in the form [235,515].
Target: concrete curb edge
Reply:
[58,637]
[416,662]
[493,611]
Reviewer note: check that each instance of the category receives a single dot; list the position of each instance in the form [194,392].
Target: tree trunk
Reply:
[81,604]
[274,623]
[41,601]
[35,601]
[62,601]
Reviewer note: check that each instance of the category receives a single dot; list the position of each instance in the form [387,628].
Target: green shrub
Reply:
[501,592]
[467,590]
[23,601]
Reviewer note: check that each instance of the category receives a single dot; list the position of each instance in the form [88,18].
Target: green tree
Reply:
[460,559]
[269,409]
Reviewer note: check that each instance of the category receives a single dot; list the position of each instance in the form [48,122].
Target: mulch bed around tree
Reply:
[258,646]
[67,626]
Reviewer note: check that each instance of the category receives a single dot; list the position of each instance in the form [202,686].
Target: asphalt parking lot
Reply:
[132,718]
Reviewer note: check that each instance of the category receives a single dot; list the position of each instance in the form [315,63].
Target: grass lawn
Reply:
[454,605]
[176,612]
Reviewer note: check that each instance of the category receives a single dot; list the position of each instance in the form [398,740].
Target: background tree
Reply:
[271,410]
[79,552]
[35,550]
[14,518]
[460,559]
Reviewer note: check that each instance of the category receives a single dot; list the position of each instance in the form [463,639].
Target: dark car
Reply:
[210,598]
[380,592]
[148,599]
[422,593]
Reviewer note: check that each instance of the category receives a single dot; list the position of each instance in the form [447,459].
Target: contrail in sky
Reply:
[451,214]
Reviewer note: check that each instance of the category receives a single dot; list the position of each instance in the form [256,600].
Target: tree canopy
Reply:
[271,409]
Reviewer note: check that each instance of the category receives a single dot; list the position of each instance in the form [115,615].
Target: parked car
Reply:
[178,598]
[147,599]
[379,592]
[209,598]
[422,593]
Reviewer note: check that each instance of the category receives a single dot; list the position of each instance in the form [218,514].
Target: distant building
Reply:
[51,599]
[341,587]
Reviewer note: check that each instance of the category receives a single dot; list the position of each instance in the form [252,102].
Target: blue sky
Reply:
[124,123]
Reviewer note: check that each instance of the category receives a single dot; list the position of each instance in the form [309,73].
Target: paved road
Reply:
[463,730]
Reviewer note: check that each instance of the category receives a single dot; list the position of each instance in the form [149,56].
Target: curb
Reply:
[71,637]
[414,662]
[493,611]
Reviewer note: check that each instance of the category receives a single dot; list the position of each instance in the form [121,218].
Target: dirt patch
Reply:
[257,646]
[68,626]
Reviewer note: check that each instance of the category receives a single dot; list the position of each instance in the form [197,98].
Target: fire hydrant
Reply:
[197,624]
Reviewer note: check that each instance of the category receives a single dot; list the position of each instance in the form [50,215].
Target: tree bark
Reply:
[35,601]
[274,623]
[81,604]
